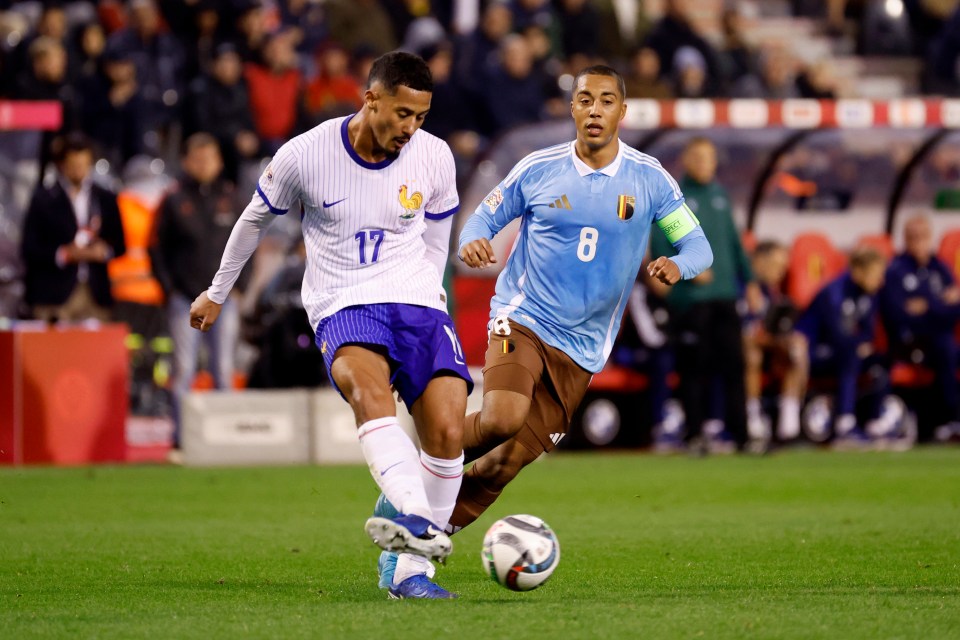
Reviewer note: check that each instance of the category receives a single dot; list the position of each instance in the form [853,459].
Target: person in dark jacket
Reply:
[193,225]
[840,327]
[71,230]
[219,104]
[920,306]
[707,327]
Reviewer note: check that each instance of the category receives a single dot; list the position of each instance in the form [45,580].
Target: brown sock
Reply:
[473,500]
[472,438]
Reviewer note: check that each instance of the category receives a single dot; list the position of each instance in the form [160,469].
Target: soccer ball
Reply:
[520,552]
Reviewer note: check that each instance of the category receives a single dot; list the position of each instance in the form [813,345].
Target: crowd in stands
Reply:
[218,85]
[140,74]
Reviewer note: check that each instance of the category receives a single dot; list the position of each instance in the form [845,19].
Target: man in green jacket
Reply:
[707,327]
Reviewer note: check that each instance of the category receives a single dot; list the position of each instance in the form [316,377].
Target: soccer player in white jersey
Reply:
[376,196]
[586,209]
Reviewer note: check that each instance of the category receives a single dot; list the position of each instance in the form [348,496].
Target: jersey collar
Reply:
[345,136]
[609,170]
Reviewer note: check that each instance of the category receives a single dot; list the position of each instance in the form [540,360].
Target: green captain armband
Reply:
[678,224]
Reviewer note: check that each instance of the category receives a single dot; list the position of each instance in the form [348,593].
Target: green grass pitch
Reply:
[806,544]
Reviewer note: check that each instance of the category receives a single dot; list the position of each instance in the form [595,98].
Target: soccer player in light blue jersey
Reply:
[586,209]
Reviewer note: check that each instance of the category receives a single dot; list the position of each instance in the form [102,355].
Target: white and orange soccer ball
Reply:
[520,552]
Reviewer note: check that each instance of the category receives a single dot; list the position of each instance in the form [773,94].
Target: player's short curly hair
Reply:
[399,68]
[603,70]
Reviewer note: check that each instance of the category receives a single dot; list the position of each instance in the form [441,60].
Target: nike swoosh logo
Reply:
[327,206]
[383,473]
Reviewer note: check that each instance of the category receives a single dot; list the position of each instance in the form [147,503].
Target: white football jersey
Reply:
[363,223]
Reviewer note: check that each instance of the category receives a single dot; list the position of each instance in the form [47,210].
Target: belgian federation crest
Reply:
[410,202]
[625,206]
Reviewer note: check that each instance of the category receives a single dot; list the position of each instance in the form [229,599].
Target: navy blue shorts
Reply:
[420,343]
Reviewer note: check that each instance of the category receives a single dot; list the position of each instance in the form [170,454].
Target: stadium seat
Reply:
[814,261]
[949,251]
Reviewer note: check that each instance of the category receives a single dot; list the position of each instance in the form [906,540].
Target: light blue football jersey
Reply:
[583,235]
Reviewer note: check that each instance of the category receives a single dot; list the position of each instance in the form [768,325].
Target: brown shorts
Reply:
[555,384]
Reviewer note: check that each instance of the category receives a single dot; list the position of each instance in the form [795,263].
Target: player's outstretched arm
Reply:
[478,254]
[204,312]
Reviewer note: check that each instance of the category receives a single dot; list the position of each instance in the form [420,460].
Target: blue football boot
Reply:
[387,563]
[409,534]
[420,587]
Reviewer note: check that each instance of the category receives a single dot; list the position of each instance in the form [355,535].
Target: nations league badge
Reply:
[494,199]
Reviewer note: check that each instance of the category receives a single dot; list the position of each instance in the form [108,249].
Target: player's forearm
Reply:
[694,254]
[243,242]
[479,225]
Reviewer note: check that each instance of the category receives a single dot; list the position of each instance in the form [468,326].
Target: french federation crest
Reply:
[410,203]
[625,205]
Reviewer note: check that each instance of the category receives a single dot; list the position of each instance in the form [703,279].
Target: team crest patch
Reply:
[409,202]
[507,346]
[323,347]
[494,199]
[268,173]
[625,205]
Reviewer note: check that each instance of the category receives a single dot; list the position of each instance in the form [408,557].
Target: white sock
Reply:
[393,463]
[753,408]
[788,425]
[411,565]
[441,482]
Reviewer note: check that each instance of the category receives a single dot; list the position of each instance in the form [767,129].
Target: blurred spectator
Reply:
[193,225]
[46,79]
[113,109]
[546,70]
[275,88]
[477,52]
[840,328]
[777,80]
[643,79]
[704,317]
[334,91]
[219,104]
[71,230]
[737,56]
[943,74]
[451,115]
[159,59]
[251,27]
[202,34]
[91,41]
[580,27]
[816,81]
[305,18]
[675,32]
[920,306]
[51,25]
[773,345]
[515,78]
[360,22]
[689,73]
[541,13]
[623,26]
